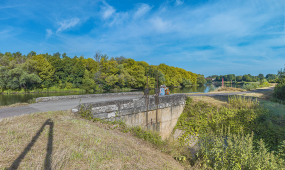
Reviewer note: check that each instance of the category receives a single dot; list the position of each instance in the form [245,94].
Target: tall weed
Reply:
[236,151]
[241,114]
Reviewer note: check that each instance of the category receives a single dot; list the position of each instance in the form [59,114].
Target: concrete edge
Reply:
[70,97]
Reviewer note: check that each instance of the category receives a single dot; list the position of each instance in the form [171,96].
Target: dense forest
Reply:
[271,78]
[38,71]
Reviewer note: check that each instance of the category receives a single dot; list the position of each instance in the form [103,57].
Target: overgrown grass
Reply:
[76,144]
[237,151]
[243,116]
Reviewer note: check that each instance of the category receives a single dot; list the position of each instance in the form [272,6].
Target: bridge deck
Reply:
[54,105]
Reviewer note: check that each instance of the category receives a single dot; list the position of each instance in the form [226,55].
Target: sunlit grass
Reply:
[77,144]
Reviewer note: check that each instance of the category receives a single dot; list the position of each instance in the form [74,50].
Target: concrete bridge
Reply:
[135,113]
[129,107]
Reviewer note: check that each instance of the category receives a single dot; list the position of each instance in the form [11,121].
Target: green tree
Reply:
[44,70]
[88,82]
[201,80]
[239,78]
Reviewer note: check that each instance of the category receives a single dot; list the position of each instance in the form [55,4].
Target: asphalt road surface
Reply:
[70,104]
[54,105]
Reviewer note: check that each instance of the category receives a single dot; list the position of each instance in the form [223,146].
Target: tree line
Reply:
[37,71]
[271,78]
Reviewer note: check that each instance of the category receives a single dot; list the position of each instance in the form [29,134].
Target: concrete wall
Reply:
[133,112]
[55,98]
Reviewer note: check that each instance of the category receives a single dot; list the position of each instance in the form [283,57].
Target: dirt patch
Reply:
[74,143]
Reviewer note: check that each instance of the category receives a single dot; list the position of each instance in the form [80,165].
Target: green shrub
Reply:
[241,114]
[236,151]
[279,91]
[264,83]
[250,86]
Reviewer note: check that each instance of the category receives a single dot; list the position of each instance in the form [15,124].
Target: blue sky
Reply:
[206,37]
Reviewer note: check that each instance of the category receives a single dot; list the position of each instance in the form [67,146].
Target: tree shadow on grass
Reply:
[48,159]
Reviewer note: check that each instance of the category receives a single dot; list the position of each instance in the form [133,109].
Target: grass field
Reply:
[60,140]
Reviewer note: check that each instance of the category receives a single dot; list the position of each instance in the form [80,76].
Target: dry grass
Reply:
[228,89]
[15,105]
[76,144]
[223,100]
[216,100]
[261,96]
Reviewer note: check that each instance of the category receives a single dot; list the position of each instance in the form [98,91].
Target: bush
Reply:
[250,86]
[279,91]
[264,83]
[236,151]
[241,114]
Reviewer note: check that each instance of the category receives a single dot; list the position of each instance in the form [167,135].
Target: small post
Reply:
[146,101]
[157,98]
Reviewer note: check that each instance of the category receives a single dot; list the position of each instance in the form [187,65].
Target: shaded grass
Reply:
[77,144]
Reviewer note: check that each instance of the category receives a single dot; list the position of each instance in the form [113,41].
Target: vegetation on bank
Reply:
[279,89]
[243,134]
[232,78]
[42,72]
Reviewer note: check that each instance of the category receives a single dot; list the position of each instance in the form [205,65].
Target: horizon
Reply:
[204,37]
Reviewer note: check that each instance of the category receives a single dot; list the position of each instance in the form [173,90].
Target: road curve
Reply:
[55,105]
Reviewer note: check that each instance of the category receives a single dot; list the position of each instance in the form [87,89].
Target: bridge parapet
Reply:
[133,112]
[69,97]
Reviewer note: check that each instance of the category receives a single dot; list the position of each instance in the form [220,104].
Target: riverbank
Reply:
[51,90]
[57,90]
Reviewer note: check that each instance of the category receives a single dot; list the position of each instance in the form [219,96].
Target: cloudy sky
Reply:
[206,37]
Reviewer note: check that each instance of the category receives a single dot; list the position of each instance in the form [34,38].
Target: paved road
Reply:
[70,104]
[54,106]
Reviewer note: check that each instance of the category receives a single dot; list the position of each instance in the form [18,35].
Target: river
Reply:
[8,99]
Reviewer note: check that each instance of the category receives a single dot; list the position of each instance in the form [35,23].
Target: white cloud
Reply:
[143,9]
[108,11]
[159,24]
[66,24]
[49,33]
[178,2]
